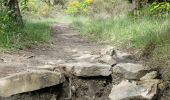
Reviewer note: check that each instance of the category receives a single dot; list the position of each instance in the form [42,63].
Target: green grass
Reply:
[32,33]
[127,31]
[36,32]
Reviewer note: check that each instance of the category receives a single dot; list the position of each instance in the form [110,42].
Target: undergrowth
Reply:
[14,37]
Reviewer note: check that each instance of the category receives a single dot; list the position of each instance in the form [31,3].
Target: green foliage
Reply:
[79,7]
[8,30]
[160,9]
[35,32]
[157,9]
[12,36]
[97,7]
[128,31]
[35,8]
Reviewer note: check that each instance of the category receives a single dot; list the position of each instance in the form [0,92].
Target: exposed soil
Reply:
[94,88]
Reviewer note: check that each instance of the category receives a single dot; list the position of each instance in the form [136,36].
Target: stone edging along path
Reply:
[80,75]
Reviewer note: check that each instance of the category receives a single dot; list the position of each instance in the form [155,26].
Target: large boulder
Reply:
[135,90]
[86,69]
[130,70]
[29,81]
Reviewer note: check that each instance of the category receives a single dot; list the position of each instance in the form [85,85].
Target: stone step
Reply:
[86,69]
[29,81]
[135,90]
[131,71]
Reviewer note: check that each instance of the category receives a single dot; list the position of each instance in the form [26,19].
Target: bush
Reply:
[160,9]
[79,7]
[8,30]
[36,8]
[156,9]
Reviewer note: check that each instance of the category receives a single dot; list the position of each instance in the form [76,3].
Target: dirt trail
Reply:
[65,45]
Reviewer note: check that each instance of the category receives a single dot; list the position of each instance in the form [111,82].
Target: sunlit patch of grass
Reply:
[35,32]
[31,33]
[128,31]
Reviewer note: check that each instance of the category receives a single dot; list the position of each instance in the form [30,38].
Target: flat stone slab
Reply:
[131,70]
[135,90]
[29,81]
[86,69]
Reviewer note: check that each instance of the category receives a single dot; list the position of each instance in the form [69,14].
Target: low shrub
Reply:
[79,7]
[160,9]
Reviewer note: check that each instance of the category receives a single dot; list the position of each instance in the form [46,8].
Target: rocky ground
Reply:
[74,68]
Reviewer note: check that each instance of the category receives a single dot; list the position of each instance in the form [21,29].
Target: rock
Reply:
[109,50]
[86,69]
[46,67]
[122,55]
[52,65]
[135,90]
[150,75]
[29,81]
[130,70]
[88,58]
[67,68]
[92,69]
[107,59]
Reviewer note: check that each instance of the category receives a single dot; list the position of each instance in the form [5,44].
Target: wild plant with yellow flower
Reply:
[89,1]
[79,7]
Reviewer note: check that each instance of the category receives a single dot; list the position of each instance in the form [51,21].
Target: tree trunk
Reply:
[13,6]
